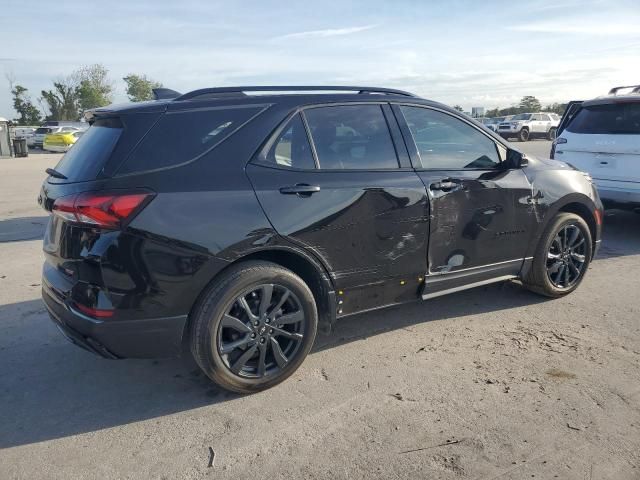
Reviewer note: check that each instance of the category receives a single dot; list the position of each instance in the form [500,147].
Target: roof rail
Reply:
[227,91]
[614,90]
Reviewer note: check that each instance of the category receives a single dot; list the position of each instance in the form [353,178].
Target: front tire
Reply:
[523,135]
[562,257]
[254,327]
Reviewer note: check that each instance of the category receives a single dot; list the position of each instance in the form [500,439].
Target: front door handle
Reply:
[300,189]
[445,185]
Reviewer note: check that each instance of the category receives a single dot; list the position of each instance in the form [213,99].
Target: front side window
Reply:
[521,116]
[291,148]
[351,137]
[447,143]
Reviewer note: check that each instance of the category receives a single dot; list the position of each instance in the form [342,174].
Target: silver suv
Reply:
[530,125]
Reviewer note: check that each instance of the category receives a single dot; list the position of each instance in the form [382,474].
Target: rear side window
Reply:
[291,148]
[351,137]
[612,119]
[447,143]
[42,130]
[180,137]
[90,152]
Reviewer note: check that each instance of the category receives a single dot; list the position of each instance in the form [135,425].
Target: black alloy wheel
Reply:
[261,331]
[566,257]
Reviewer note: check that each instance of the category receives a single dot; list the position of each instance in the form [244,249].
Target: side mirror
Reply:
[516,159]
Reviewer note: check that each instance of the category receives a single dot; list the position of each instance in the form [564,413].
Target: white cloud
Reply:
[578,27]
[329,32]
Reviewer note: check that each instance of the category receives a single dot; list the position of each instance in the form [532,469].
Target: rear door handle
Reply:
[300,189]
[446,184]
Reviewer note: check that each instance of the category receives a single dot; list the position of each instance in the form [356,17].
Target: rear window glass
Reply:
[611,119]
[88,155]
[179,137]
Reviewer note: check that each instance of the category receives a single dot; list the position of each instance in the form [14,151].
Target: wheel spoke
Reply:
[262,365]
[566,277]
[578,257]
[284,333]
[289,318]
[235,323]
[554,268]
[574,236]
[580,242]
[564,238]
[553,256]
[231,346]
[244,358]
[560,273]
[280,303]
[265,300]
[281,360]
[574,269]
[245,306]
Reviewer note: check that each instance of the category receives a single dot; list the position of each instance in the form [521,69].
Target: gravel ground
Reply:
[494,382]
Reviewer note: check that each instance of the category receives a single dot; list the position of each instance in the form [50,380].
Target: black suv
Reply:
[240,220]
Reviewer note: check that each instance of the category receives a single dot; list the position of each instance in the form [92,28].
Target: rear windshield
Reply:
[610,119]
[89,154]
[180,137]
[43,130]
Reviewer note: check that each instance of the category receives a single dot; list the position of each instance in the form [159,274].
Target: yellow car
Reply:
[61,141]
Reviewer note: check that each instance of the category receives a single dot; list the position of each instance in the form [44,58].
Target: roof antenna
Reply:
[164,94]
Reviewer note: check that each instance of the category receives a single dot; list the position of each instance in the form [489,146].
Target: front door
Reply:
[346,198]
[481,213]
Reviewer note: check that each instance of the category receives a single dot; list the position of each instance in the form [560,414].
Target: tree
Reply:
[530,103]
[556,108]
[139,87]
[458,108]
[94,89]
[62,100]
[86,88]
[22,104]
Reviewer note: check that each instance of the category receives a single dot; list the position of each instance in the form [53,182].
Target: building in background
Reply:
[477,112]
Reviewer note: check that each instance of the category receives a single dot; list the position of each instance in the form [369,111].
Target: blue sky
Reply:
[472,53]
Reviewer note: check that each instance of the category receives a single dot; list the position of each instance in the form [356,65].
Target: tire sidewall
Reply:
[210,360]
[523,135]
[559,223]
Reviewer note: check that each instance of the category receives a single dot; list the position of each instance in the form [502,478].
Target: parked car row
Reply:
[602,137]
[55,138]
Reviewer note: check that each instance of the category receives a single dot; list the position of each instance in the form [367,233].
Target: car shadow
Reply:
[51,389]
[22,228]
[620,234]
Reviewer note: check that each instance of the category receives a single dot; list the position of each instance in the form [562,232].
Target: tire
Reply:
[548,275]
[224,335]
[523,135]
[552,134]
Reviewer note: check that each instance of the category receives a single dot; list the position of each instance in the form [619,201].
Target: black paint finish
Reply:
[363,239]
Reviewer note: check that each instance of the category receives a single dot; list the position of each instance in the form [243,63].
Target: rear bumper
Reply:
[144,338]
[621,197]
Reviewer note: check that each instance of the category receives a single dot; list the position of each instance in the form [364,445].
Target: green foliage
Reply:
[139,87]
[29,113]
[62,101]
[458,108]
[530,103]
[86,88]
[556,108]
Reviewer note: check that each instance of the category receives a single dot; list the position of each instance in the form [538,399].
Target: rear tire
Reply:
[253,327]
[562,257]
[523,135]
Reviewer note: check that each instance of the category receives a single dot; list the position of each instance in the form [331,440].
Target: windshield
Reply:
[522,116]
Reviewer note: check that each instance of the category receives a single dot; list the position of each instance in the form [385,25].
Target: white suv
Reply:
[602,137]
[529,125]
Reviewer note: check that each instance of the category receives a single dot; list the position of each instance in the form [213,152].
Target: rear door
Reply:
[349,196]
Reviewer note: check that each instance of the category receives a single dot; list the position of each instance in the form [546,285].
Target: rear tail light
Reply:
[557,141]
[94,312]
[107,210]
